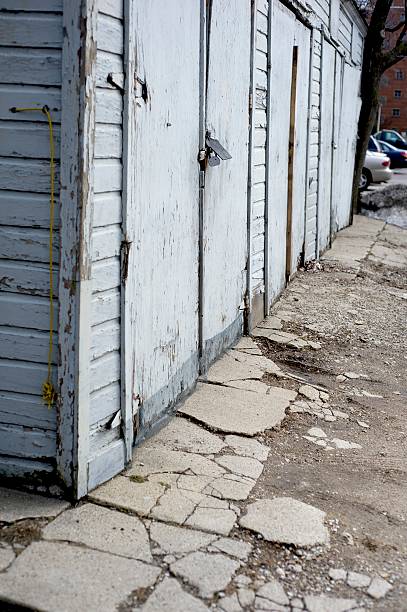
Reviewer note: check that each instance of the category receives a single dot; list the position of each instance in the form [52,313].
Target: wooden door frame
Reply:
[291,161]
[76,212]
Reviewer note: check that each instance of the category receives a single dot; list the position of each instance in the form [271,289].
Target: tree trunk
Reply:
[372,70]
[367,117]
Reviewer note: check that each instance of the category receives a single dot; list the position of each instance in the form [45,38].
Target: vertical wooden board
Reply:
[302,40]
[164,271]
[281,58]
[326,139]
[225,209]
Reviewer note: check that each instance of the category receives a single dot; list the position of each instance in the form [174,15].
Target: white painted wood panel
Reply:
[106,238]
[53,6]
[164,273]
[258,175]
[326,142]
[35,30]
[26,410]
[302,38]
[225,215]
[347,143]
[30,66]
[313,154]
[27,244]
[26,344]
[283,21]
[29,96]
[345,30]
[18,310]
[30,76]
[27,443]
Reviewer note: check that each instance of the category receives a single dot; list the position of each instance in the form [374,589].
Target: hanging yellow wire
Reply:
[49,394]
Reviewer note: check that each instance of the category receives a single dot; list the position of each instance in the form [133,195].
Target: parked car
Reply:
[392,137]
[398,157]
[374,145]
[375,170]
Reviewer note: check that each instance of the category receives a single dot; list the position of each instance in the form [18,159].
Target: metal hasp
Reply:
[215,151]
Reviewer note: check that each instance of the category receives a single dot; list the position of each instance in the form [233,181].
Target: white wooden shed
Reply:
[203,150]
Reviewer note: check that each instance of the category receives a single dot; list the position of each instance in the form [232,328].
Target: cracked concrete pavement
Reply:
[279,485]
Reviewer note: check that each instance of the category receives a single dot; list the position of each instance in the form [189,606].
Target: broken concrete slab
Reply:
[229,604]
[274,592]
[337,574]
[59,576]
[247,447]
[102,529]
[229,368]
[178,540]
[316,432]
[18,505]
[170,596]
[344,444]
[271,322]
[233,548]
[357,580]
[7,556]
[237,411]
[309,392]
[379,588]
[245,597]
[121,492]
[277,336]
[182,435]
[208,572]
[244,466]
[228,487]
[174,506]
[262,363]
[256,386]
[214,520]
[247,344]
[150,458]
[323,603]
[287,521]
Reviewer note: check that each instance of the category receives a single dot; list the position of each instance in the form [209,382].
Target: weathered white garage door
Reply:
[288,145]
[165,204]
[225,206]
[347,143]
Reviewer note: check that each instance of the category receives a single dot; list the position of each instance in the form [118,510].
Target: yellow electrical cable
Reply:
[49,394]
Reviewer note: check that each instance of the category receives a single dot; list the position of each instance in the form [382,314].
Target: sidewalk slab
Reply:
[237,411]
[18,505]
[62,577]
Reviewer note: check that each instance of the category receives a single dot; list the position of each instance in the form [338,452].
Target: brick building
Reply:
[393,87]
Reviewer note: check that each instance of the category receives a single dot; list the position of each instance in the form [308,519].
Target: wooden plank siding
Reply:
[30,76]
[259,155]
[313,152]
[106,242]
[345,30]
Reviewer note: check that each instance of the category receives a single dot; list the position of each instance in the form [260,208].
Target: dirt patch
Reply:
[359,321]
